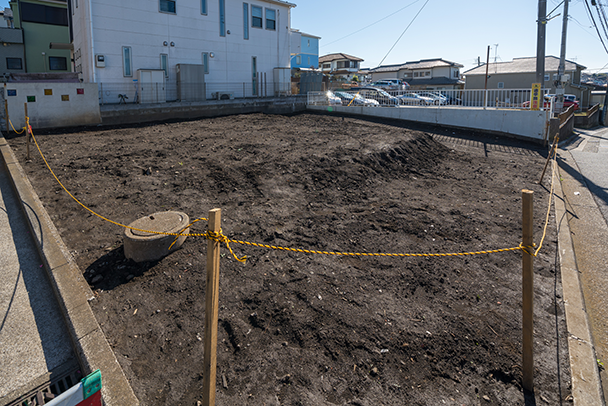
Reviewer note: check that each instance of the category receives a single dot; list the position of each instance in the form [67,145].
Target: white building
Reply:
[243,48]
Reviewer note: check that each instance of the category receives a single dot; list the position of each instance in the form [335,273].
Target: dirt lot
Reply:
[298,329]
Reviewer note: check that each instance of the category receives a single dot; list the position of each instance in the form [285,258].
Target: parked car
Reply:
[332,99]
[355,99]
[391,84]
[438,98]
[377,94]
[569,100]
[414,99]
[451,99]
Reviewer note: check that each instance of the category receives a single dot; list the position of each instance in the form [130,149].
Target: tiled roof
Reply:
[335,57]
[422,64]
[434,81]
[523,65]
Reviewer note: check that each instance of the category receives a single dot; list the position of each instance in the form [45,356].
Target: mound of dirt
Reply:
[300,329]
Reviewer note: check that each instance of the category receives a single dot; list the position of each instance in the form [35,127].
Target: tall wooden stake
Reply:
[211,310]
[528,290]
[27,133]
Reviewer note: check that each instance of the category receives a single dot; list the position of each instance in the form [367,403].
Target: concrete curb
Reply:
[71,290]
[586,384]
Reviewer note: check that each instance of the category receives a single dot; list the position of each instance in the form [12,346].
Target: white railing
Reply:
[485,99]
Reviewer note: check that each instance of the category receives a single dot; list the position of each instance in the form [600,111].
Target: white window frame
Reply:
[168,12]
[299,60]
[261,17]
[125,73]
[164,60]
[266,19]
[547,77]
[500,85]
[205,58]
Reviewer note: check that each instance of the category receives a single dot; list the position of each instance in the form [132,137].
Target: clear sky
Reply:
[459,31]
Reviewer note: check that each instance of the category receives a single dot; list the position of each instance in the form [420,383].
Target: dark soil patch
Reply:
[298,329]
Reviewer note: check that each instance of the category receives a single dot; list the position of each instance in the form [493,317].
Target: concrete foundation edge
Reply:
[586,384]
[71,290]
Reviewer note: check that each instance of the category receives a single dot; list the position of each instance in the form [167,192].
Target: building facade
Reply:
[520,73]
[426,74]
[12,56]
[304,50]
[43,23]
[339,65]
[241,46]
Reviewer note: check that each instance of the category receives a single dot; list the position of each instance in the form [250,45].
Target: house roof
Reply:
[435,81]
[281,2]
[296,31]
[523,65]
[421,64]
[339,56]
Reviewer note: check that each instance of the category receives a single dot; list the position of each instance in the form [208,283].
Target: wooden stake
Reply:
[211,310]
[6,115]
[528,290]
[27,133]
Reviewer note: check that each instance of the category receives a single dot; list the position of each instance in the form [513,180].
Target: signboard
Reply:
[535,102]
[86,393]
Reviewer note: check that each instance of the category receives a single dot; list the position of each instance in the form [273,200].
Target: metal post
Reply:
[211,310]
[528,290]
[485,93]
[540,42]
[27,132]
[559,91]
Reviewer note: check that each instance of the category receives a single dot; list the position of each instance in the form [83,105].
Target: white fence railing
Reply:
[495,98]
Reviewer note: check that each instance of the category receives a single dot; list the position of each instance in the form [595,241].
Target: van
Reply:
[391,84]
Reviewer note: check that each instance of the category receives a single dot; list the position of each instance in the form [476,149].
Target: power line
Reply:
[372,24]
[595,25]
[403,33]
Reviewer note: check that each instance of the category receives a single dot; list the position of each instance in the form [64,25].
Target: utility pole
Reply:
[540,42]
[559,104]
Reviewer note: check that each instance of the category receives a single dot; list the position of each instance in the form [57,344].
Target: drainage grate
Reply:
[49,390]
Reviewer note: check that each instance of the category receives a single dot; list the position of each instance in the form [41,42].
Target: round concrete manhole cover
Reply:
[166,222]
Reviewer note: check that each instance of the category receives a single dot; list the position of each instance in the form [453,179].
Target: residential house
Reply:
[43,23]
[235,47]
[12,55]
[426,74]
[304,50]
[340,65]
[520,73]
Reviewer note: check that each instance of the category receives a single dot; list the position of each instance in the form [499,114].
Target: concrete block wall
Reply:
[52,105]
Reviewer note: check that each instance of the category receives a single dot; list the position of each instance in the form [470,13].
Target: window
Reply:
[14,63]
[271,19]
[167,6]
[456,75]
[427,73]
[127,67]
[245,21]
[37,13]
[58,63]
[256,16]
[222,18]
[501,85]
[164,64]
[206,62]
[327,66]
[308,43]
[309,61]
[547,77]
[416,74]
[204,7]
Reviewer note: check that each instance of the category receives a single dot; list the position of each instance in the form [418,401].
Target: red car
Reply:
[569,100]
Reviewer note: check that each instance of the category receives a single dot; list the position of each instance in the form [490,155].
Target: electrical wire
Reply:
[372,24]
[595,25]
[403,33]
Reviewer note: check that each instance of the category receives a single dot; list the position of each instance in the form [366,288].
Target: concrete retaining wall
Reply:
[52,105]
[122,114]
[526,124]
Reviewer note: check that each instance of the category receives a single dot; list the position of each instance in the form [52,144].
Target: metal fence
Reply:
[495,98]
[135,92]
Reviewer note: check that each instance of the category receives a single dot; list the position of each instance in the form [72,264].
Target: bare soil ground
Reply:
[298,329]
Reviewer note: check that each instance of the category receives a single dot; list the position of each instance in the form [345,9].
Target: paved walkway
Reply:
[34,342]
[584,172]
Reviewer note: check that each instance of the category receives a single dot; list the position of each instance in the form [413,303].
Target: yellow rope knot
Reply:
[525,249]
[221,238]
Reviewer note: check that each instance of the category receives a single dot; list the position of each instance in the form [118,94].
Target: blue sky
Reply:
[459,31]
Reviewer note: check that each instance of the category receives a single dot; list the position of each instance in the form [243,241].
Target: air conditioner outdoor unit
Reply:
[224,95]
